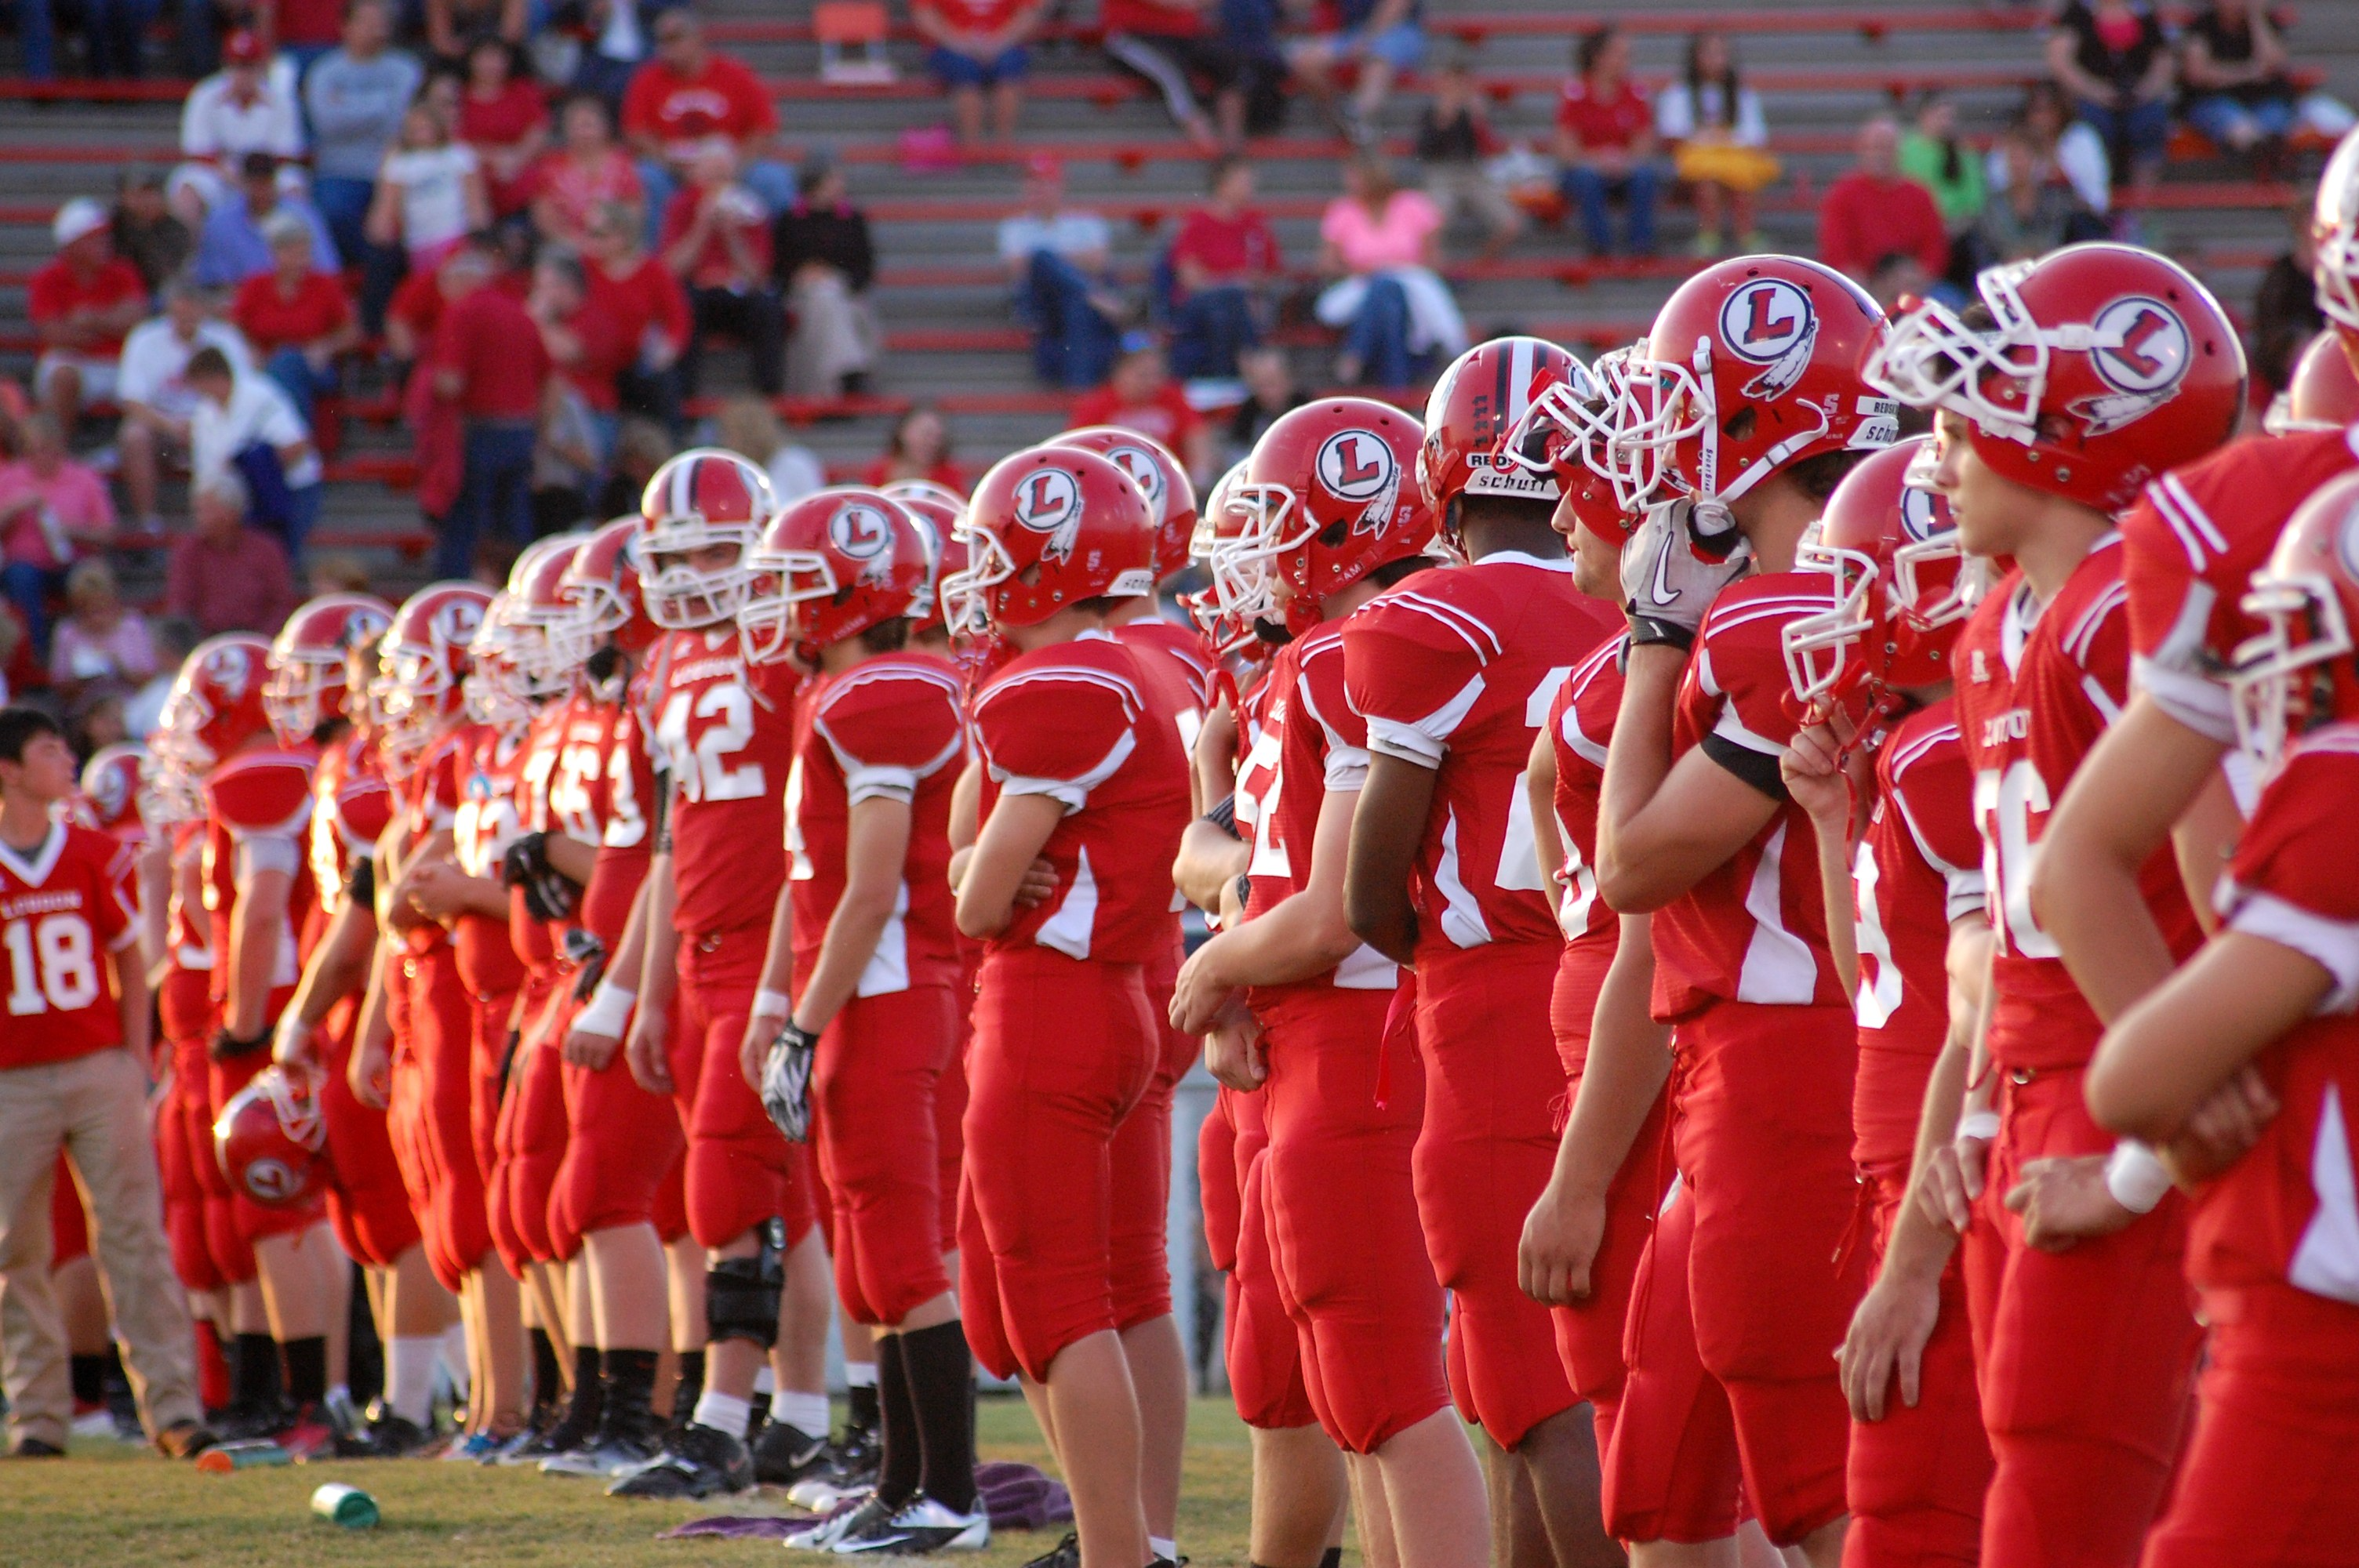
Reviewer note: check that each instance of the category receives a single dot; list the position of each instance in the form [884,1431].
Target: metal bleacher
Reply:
[1821,69]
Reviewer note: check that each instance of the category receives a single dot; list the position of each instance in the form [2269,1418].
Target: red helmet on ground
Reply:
[2323,394]
[2300,671]
[1047,528]
[2105,366]
[701,500]
[112,784]
[829,567]
[1481,400]
[423,666]
[1883,631]
[1326,497]
[936,510]
[1170,497]
[307,687]
[269,1136]
[1753,365]
[218,704]
[602,591]
[2335,230]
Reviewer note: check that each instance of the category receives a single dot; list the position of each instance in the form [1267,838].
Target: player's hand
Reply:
[1951,1183]
[2065,1201]
[1668,587]
[1886,1338]
[585,1048]
[1233,1054]
[1198,997]
[646,1052]
[1562,1236]
[1812,768]
[2222,1129]
[370,1073]
[294,1043]
[1040,883]
[435,889]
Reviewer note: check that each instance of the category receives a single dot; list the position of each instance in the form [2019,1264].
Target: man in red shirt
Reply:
[1605,143]
[716,241]
[687,99]
[1875,212]
[1225,256]
[1141,395]
[81,305]
[633,292]
[489,365]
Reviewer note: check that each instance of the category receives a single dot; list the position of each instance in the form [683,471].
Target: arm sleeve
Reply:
[2167,539]
[1056,733]
[2295,878]
[267,852]
[1224,817]
[1319,694]
[888,734]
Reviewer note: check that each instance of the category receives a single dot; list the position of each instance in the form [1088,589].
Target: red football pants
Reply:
[431,1116]
[1481,1159]
[1342,1218]
[1259,1345]
[622,1147]
[196,1195]
[530,1136]
[1063,1050]
[741,1170]
[949,1133]
[1142,1167]
[879,1063]
[367,1204]
[2087,1356]
[2268,1480]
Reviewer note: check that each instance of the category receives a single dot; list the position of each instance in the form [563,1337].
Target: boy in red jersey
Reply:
[2082,1332]
[1453,673]
[2265,1479]
[1740,414]
[1080,769]
[71,1079]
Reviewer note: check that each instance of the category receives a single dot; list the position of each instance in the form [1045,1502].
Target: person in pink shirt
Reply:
[1381,244]
[101,638]
[51,509]
[1875,212]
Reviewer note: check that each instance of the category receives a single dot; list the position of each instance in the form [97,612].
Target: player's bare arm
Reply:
[1297,937]
[1385,833]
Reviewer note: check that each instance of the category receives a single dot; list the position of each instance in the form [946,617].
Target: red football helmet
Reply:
[2106,365]
[1170,497]
[537,603]
[829,567]
[602,588]
[2335,228]
[492,689]
[2323,394]
[219,705]
[269,1138]
[1884,630]
[936,510]
[113,786]
[1481,401]
[423,666]
[1049,528]
[1753,365]
[701,500]
[1325,499]
[2299,672]
[306,688]
[1568,431]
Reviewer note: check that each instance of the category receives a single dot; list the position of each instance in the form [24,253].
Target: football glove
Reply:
[587,956]
[1668,585]
[548,894]
[786,1081]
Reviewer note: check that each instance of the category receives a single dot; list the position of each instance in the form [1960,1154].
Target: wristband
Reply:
[1982,1124]
[772,1004]
[2135,1177]
[1646,630]
[609,1012]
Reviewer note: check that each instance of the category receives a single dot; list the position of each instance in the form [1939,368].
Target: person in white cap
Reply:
[81,305]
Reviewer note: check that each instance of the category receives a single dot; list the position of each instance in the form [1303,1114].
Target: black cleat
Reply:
[784,1455]
[695,1461]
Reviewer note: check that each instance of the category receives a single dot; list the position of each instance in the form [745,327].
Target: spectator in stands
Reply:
[1720,143]
[586,168]
[306,31]
[429,191]
[489,367]
[1222,264]
[296,320]
[824,261]
[716,241]
[1606,149]
[974,48]
[248,106]
[2114,59]
[642,304]
[94,717]
[1381,37]
[503,115]
[2285,307]
[19,670]
[99,638]
[1874,211]
[173,636]
[153,386]
[115,34]
[2028,214]
[1250,30]
[1057,258]
[224,574]
[590,351]
[1270,391]
[617,45]
[146,234]
[356,96]
[641,447]
[454,28]
[232,245]
[1934,156]
[52,509]
[244,424]
[688,98]
[918,448]
[2238,87]
[750,427]
[2065,148]
[1141,395]
[1454,138]
[81,305]
[1381,244]
[1175,45]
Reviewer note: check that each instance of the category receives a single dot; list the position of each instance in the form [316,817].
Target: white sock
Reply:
[807,1413]
[1163,1548]
[765,1381]
[860,1374]
[409,1376]
[723,1413]
[454,1360]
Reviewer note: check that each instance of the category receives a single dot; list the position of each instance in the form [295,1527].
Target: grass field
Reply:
[113,1504]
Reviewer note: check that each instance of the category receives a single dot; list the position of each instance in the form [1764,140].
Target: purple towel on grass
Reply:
[1017,1496]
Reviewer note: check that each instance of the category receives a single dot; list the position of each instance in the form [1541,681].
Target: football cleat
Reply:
[923,1525]
[1066,1554]
[696,1461]
[610,1457]
[784,1455]
[821,1537]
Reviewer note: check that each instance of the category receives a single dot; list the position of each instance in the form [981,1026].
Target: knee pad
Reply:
[741,1294]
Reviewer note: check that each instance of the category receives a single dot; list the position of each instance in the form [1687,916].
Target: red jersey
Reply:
[486,337]
[889,728]
[2037,686]
[1453,671]
[64,905]
[2285,1211]
[1080,723]
[186,931]
[56,291]
[257,808]
[725,99]
[489,817]
[1755,928]
[1167,416]
[1172,658]
[2188,549]
[624,842]
[541,791]
[728,729]
[351,805]
[431,798]
[1581,724]
[1603,120]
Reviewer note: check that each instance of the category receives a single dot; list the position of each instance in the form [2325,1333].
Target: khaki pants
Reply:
[95,1107]
[834,334]
[1465,189]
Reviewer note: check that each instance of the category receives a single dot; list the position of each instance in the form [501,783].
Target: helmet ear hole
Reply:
[1332,535]
[1739,424]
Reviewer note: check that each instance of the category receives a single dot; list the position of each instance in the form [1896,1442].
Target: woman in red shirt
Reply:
[919,448]
[296,320]
[503,116]
[586,167]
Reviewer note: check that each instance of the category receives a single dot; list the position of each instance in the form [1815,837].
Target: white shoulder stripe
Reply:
[2083,632]
[1916,749]
[1477,632]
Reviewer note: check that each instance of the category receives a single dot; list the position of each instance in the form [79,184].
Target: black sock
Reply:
[687,1386]
[588,1404]
[548,1378]
[1331,1558]
[253,1371]
[307,1369]
[940,1371]
[860,1409]
[900,1465]
[630,1377]
[89,1377]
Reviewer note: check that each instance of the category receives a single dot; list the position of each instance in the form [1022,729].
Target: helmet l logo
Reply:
[1918,519]
[1048,501]
[229,669]
[1145,472]
[859,531]
[1356,464]
[2140,344]
[1765,317]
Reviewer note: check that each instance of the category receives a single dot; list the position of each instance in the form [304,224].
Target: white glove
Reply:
[786,1081]
[1666,585]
